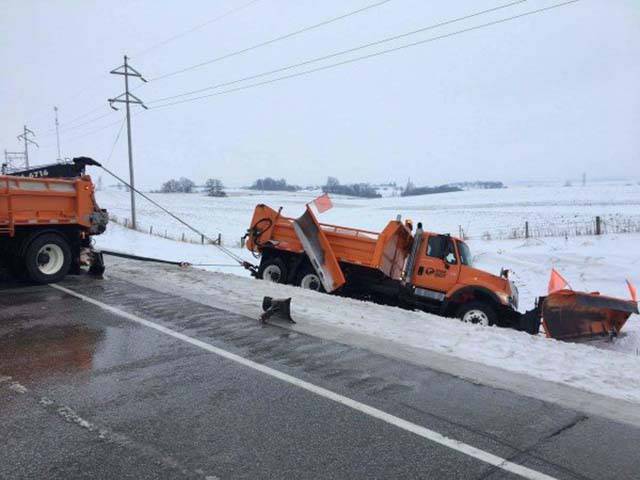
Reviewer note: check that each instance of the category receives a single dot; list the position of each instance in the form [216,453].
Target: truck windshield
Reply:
[465,254]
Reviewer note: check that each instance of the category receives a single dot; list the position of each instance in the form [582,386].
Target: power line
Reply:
[67,129]
[193,29]
[153,47]
[80,117]
[115,142]
[365,57]
[341,52]
[271,41]
[92,132]
[80,125]
[68,99]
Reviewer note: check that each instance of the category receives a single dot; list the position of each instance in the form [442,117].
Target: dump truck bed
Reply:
[385,251]
[44,201]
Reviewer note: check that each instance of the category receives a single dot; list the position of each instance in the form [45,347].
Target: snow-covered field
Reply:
[591,263]
[588,262]
[478,212]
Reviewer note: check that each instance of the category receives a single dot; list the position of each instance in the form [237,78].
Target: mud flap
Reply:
[319,251]
[97,267]
[570,315]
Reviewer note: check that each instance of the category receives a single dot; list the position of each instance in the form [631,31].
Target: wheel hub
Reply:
[311,282]
[50,259]
[476,317]
[43,258]
[272,273]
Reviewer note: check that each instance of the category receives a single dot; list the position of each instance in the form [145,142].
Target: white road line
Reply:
[424,432]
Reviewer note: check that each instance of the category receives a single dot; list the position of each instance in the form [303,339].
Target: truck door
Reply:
[437,266]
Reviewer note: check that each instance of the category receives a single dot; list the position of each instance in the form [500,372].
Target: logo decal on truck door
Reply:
[435,272]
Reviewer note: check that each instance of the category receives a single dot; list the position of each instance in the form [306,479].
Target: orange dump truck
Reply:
[46,225]
[421,270]
[397,266]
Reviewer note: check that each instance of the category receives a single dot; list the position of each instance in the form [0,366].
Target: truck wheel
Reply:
[47,259]
[273,270]
[310,280]
[478,313]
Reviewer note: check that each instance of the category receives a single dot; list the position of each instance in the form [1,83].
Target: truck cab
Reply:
[396,266]
[442,274]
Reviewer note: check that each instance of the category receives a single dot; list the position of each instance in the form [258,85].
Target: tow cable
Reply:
[241,262]
[141,258]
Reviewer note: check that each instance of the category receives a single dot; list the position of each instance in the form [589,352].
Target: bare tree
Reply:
[214,188]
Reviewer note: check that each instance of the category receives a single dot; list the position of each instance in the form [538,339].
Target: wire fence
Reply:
[599,225]
[158,232]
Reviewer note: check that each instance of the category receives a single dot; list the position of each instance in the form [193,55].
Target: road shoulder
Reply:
[160,278]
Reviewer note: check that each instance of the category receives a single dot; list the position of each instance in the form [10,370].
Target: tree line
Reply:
[214,187]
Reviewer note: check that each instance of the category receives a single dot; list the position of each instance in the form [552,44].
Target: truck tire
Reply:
[309,280]
[273,270]
[477,313]
[47,258]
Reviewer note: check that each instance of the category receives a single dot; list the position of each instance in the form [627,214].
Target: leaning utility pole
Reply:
[128,71]
[55,109]
[25,137]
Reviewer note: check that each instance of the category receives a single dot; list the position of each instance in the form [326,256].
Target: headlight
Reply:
[514,294]
[509,299]
[504,298]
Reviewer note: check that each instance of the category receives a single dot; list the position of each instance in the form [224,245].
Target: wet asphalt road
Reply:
[85,393]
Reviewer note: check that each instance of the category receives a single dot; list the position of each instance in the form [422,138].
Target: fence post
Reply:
[151,230]
[202,239]
[598,225]
[242,242]
[183,236]
[526,229]
[219,239]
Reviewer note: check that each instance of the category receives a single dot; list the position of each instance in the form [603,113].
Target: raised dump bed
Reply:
[384,251]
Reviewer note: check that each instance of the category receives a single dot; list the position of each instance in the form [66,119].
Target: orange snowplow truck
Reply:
[46,225]
[398,266]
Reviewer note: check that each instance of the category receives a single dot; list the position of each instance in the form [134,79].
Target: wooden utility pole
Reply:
[128,98]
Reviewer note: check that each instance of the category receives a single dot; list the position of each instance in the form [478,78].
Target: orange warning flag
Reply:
[632,291]
[323,203]
[556,282]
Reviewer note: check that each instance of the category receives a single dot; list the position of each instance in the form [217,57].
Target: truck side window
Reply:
[450,253]
[435,246]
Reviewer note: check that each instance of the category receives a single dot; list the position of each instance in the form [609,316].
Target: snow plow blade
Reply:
[568,315]
[280,307]
[317,247]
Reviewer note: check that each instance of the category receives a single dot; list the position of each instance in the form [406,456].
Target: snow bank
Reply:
[581,366]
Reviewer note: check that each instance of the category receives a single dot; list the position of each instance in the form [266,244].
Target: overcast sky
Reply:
[547,96]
